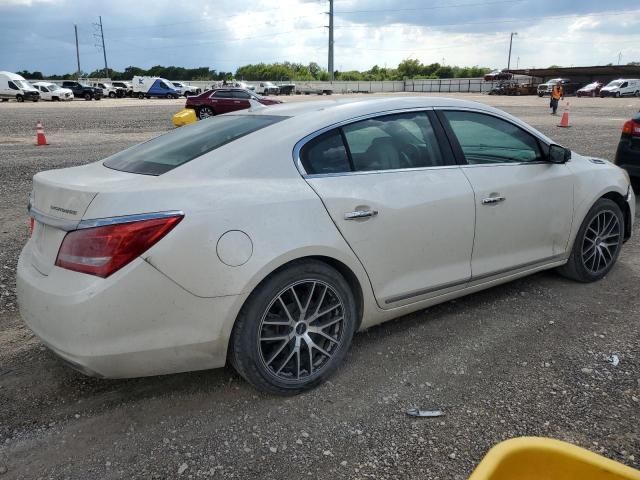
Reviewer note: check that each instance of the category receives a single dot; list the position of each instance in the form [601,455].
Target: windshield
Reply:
[23,84]
[615,83]
[182,145]
[51,86]
[105,85]
[591,85]
[177,84]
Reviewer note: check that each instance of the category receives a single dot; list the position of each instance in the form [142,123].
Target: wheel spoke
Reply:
[324,312]
[295,296]
[317,331]
[306,306]
[284,306]
[324,293]
[293,351]
[273,357]
[329,323]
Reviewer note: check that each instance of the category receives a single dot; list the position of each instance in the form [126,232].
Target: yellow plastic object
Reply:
[530,458]
[184,117]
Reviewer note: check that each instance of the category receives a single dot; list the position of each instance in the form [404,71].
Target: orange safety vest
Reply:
[556,93]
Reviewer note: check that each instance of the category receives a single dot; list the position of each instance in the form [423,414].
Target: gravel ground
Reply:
[526,358]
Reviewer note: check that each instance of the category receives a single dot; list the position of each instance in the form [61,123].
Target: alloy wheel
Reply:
[205,112]
[301,331]
[601,242]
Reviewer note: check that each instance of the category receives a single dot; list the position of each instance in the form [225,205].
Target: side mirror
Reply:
[559,154]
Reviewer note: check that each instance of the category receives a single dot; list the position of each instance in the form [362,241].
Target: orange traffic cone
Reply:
[40,138]
[564,122]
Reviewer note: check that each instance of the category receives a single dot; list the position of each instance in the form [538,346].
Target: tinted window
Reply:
[240,94]
[12,86]
[487,139]
[182,145]
[223,94]
[325,154]
[391,142]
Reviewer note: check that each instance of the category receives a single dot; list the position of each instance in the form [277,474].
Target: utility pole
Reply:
[330,63]
[619,58]
[77,50]
[101,45]
[510,45]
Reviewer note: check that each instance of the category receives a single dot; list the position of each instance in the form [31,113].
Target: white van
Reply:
[622,87]
[53,92]
[13,86]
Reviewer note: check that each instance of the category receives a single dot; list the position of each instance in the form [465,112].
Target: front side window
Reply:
[222,94]
[393,142]
[182,145]
[486,139]
[13,86]
[241,94]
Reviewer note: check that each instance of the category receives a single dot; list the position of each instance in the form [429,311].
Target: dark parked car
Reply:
[568,86]
[81,90]
[591,90]
[628,154]
[498,75]
[224,100]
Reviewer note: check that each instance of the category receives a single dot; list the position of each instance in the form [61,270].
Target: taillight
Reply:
[32,224]
[102,251]
[631,128]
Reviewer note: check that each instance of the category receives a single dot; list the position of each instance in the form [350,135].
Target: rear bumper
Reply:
[135,323]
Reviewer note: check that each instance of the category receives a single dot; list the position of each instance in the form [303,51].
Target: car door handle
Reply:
[493,200]
[360,214]
[236,101]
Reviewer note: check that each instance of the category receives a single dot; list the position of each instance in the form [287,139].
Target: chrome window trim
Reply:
[302,142]
[103,222]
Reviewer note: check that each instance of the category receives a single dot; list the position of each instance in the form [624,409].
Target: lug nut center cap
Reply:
[301,328]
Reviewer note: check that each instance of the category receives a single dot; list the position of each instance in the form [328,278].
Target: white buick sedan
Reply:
[268,237]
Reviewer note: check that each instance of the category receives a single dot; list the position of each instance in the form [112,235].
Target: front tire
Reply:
[295,329]
[597,244]
[112,94]
[19,98]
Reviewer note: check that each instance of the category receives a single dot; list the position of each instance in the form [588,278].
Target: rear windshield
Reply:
[182,145]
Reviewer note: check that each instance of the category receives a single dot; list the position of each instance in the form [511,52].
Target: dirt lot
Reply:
[527,358]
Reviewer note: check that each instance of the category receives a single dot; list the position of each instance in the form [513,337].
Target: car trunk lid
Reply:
[59,200]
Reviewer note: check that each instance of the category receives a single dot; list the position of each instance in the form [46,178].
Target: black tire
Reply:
[87,97]
[55,99]
[141,95]
[636,93]
[246,351]
[96,98]
[35,100]
[205,112]
[19,98]
[112,94]
[577,267]
[5,99]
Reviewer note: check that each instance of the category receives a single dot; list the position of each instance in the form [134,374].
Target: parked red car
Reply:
[224,100]
[498,75]
[591,90]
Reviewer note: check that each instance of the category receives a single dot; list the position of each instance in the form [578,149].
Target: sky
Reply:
[38,35]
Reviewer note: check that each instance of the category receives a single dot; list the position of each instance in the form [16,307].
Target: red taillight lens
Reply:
[631,128]
[102,251]
[32,223]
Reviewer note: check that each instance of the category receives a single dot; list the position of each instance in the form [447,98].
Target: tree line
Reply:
[285,71]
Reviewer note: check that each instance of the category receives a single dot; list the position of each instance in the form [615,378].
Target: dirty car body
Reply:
[269,236]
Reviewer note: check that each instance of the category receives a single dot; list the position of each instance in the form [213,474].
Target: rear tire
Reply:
[617,94]
[112,94]
[141,95]
[597,244]
[286,305]
[205,112]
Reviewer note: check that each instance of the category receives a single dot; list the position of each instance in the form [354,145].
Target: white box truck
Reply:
[147,87]
[13,86]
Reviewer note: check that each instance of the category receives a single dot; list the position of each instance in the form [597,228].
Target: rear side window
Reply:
[184,144]
[325,154]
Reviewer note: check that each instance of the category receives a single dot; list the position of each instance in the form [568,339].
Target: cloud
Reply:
[224,34]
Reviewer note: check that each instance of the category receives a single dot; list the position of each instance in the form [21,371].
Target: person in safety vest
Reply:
[557,94]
